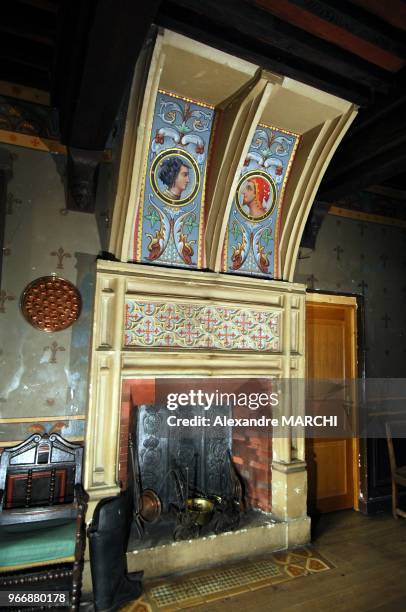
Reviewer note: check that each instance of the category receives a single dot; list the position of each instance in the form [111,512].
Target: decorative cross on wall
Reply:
[60,254]
[363,286]
[5,297]
[11,200]
[310,280]
[386,320]
[362,228]
[338,249]
[54,348]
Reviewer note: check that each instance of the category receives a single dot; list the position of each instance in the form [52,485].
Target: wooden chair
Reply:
[42,516]
[398,475]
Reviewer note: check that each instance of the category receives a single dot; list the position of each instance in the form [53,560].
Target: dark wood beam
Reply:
[380,136]
[28,76]
[25,52]
[205,29]
[50,6]
[343,25]
[392,11]
[376,169]
[367,25]
[25,31]
[99,45]
[247,21]
[387,189]
[117,33]
[29,23]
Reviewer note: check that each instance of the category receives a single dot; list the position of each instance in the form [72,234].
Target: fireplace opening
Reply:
[195,481]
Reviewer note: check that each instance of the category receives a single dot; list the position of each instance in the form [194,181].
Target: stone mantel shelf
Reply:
[205,285]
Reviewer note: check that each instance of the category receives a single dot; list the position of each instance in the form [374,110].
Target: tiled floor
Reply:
[204,587]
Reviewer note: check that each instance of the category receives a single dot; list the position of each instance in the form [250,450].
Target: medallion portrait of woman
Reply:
[256,196]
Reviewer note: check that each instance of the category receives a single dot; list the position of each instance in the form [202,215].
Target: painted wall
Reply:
[353,256]
[43,377]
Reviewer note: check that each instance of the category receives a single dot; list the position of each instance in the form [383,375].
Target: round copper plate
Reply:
[51,304]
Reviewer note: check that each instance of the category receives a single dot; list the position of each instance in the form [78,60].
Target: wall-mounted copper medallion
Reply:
[51,304]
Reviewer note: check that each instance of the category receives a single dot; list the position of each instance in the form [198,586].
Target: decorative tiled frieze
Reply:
[200,326]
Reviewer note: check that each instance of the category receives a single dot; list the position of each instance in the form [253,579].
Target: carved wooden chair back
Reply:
[40,473]
[41,498]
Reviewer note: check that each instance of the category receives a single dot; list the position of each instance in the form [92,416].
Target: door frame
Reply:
[355,301]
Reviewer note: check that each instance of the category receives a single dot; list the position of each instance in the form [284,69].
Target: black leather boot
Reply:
[108,538]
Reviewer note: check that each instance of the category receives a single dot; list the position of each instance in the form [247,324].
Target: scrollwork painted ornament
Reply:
[169,226]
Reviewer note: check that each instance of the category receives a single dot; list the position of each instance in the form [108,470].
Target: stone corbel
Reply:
[82,173]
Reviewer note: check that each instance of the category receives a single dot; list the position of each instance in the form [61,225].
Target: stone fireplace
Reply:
[201,283]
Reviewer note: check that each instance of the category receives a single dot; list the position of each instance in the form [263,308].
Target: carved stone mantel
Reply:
[112,361]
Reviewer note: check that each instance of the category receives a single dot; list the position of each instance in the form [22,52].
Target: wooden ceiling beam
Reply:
[206,31]
[243,21]
[25,52]
[100,44]
[342,25]
[29,23]
[24,75]
[372,171]
[377,137]
[117,32]
[50,6]
[27,32]
[392,11]
[372,153]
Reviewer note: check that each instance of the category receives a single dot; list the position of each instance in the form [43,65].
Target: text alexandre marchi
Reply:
[252,401]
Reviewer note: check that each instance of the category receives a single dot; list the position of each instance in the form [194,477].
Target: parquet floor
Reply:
[369,555]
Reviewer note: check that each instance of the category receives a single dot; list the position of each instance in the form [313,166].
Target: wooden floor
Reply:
[370,574]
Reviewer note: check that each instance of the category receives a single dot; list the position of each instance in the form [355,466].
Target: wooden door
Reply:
[331,354]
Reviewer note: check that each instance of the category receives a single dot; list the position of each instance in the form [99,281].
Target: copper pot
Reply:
[150,506]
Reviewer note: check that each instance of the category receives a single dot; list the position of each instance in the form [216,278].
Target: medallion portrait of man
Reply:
[256,197]
[175,177]
[174,173]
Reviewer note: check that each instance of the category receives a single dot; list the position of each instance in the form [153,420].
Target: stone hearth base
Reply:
[214,550]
